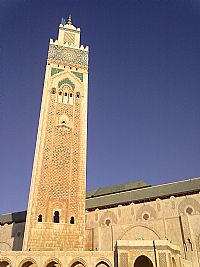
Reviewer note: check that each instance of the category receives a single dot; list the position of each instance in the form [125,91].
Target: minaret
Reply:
[56,208]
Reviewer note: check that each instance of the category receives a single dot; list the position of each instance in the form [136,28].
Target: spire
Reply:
[69,22]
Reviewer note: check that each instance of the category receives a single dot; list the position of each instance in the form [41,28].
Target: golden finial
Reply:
[69,22]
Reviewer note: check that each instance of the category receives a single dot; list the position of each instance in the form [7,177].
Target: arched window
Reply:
[40,218]
[56,218]
[77,95]
[28,264]
[77,264]
[53,264]
[72,221]
[4,264]
[60,93]
[53,91]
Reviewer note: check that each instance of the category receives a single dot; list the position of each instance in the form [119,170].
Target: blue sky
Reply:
[144,89]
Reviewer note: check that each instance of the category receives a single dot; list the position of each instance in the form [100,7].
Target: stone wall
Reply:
[176,219]
[58,258]
[11,236]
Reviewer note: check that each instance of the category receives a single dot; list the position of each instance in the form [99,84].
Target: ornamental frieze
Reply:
[67,55]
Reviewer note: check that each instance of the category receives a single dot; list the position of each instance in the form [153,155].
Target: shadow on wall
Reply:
[18,236]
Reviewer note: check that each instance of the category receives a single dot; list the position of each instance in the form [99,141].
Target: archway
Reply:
[4,264]
[53,264]
[143,261]
[77,264]
[28,264]
[102,264]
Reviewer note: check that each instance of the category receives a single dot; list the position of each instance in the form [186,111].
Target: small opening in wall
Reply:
[146,216]
[70,68]
[65,94]
[76,69]
[63,122]
[70,94]
[64,67]
[53,90]
[60,93]
[56,218]
[189,210]
[58,65]
[77,95]
[40,218]
[72,220]
[108,222]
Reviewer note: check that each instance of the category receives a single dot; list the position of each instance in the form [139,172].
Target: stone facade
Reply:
[59,230]
[56,210]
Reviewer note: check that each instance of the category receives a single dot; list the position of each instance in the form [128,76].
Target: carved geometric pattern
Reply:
[124,259]
[146,210]
[162,259]
[66,55]
[69,38]
[108,215]
[188,202]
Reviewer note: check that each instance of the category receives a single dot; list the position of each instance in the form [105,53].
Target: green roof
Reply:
[101,191]
[124,194]
[144,194]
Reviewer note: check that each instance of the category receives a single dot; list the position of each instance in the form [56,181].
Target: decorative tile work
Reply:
[55,71]
[124,259]
[68,81]
[78,74]
[66,55]
[162,259]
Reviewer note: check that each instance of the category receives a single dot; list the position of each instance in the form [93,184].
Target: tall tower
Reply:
[56,208]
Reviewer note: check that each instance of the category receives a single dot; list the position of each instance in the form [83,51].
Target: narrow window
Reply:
[77,95]
[53,90]
[65,94]
[56,218]
[71,95]
[72,220]
[60,93]
[40,218]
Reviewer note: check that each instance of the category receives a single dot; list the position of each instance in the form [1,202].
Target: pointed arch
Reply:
[51,263]
[77,262]
[103,262]
[28,262]
[5,262]
[155,232]
[68,78]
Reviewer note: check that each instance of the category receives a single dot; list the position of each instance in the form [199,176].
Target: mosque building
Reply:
[127,225]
